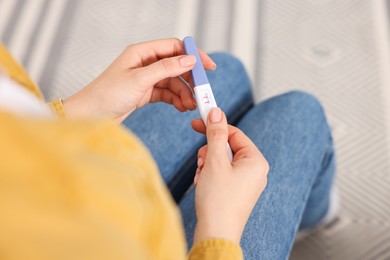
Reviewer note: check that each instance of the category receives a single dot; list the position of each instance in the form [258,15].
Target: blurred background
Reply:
[337,50]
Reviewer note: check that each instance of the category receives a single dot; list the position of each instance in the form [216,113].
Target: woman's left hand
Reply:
[144,73]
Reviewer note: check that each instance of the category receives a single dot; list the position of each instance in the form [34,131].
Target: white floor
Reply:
[337,50]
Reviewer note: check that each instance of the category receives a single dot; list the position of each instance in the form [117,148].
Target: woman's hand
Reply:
[143,73]
[226,192]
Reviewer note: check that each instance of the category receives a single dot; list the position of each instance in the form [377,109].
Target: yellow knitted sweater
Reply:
[84,189]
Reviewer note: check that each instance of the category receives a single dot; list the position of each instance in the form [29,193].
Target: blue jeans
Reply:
[291,131]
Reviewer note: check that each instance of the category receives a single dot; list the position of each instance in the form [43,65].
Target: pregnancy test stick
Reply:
[203,93]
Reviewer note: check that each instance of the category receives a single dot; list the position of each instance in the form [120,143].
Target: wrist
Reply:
[205,231]
[91,103]
[77,106]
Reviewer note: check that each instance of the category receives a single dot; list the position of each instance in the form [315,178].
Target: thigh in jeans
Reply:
[293,134]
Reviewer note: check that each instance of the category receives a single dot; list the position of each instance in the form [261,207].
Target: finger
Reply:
[187,79]
[217,136]
[146,53]
[178,104]
[202,152]
[177,86]
[167,96]
[237,139]
[165,68]
[198,126]
[200,162]
[196,178]
[207,62]
[180,88]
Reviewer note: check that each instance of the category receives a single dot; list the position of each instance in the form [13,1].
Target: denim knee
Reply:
[302,103]
[307,110]
[295,111]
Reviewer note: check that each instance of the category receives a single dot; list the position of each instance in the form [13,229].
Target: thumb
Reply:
[217,136]
[166,68]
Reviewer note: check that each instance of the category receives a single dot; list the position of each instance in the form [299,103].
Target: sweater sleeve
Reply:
[215,249]
[57,107]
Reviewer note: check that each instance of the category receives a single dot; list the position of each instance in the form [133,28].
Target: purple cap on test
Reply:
[198,73]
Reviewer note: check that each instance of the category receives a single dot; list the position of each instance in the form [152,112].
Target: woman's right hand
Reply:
[144,73]
[226,192]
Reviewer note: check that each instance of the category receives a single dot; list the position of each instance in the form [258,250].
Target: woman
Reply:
[82,186]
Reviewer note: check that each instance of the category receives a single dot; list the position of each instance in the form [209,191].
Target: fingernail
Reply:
[200,162]
[187,61]
[215,115]
[215,66]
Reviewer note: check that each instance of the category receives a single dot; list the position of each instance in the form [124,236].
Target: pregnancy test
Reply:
[203,93]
